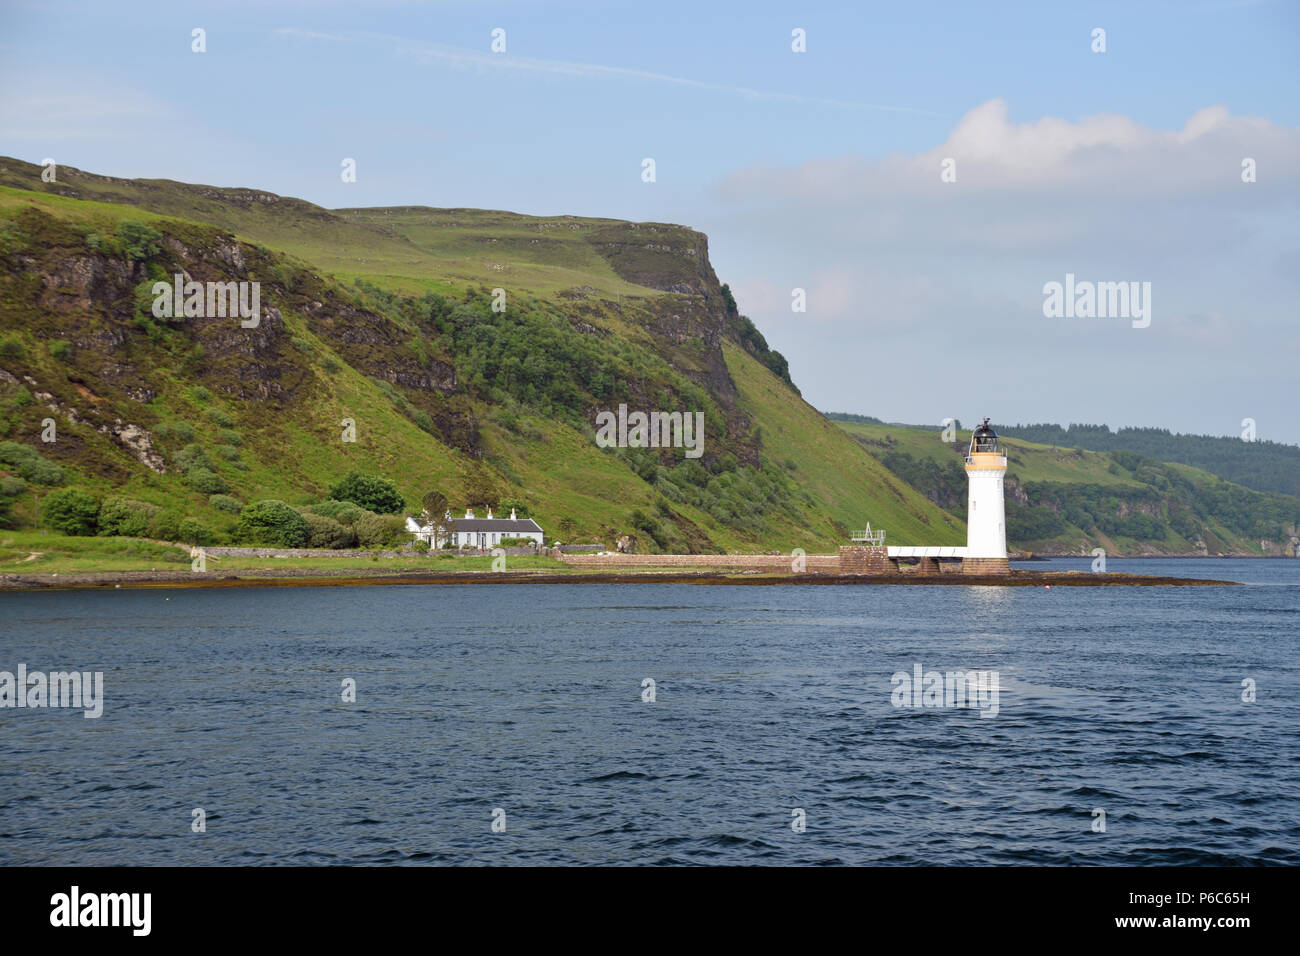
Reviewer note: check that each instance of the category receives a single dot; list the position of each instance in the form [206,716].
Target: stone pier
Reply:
[866,559]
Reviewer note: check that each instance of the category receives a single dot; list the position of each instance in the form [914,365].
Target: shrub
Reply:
[193,456]
[225,503]
[166,525]
[206,481]
[371,492]
[192,531]
[10,488]
[200,395]
[327,533]
[60,349]
[218,417]
[28,462]
[518,505]
[344,512]
[272,522]
[421,545]
[183,431]
[139,242]
[228,452]
[380,531]
[231,437]
[125,517]
[515,542]
[11,347]
[71,511]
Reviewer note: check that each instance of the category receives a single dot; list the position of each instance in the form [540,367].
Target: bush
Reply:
[166,525]
[28,462]
[183,431]
[218,417]
[229,436]
[518,505]
[60,349]
[225,503]
[139,242]
[421,545]
[380,531]
[206,481]
[370,492]
[228,452]
[274,523]
[11,347]
[125,517]
[10,488]
[193,456]
[344,512]
[192,531]
[71,511]
[327,533]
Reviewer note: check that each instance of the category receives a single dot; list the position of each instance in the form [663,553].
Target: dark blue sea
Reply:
[769,700]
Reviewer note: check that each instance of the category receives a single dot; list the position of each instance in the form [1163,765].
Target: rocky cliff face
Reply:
[67,285]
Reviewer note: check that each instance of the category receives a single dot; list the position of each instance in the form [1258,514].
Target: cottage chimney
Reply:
[489,514]
[512,515]
[469,512]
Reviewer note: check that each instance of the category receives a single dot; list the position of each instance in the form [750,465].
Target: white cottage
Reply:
[471,532]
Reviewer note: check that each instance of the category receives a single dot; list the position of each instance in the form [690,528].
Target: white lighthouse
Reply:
[986,520]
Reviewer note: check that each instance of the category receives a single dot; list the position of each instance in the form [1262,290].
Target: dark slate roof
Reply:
[494,524]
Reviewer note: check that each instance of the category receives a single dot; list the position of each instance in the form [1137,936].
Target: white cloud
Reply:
[1104,154]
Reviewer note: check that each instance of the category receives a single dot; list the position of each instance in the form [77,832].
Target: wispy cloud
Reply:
[463,58]
[306,34]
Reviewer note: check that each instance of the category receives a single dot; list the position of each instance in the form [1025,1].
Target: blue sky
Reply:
[817,170]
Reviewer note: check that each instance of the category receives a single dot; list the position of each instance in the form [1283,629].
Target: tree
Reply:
[326,532]
[433,512]
[72,511]
[380,531]
[433,506]
[480,486]
[371,492]
[517,505]
[126,517]
[274,523]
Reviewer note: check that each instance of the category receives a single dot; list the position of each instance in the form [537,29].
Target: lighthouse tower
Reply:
[986,528]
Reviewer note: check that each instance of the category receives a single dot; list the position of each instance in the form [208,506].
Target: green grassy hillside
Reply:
[385,318]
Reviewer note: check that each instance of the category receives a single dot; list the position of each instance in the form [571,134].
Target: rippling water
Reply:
[528,698]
